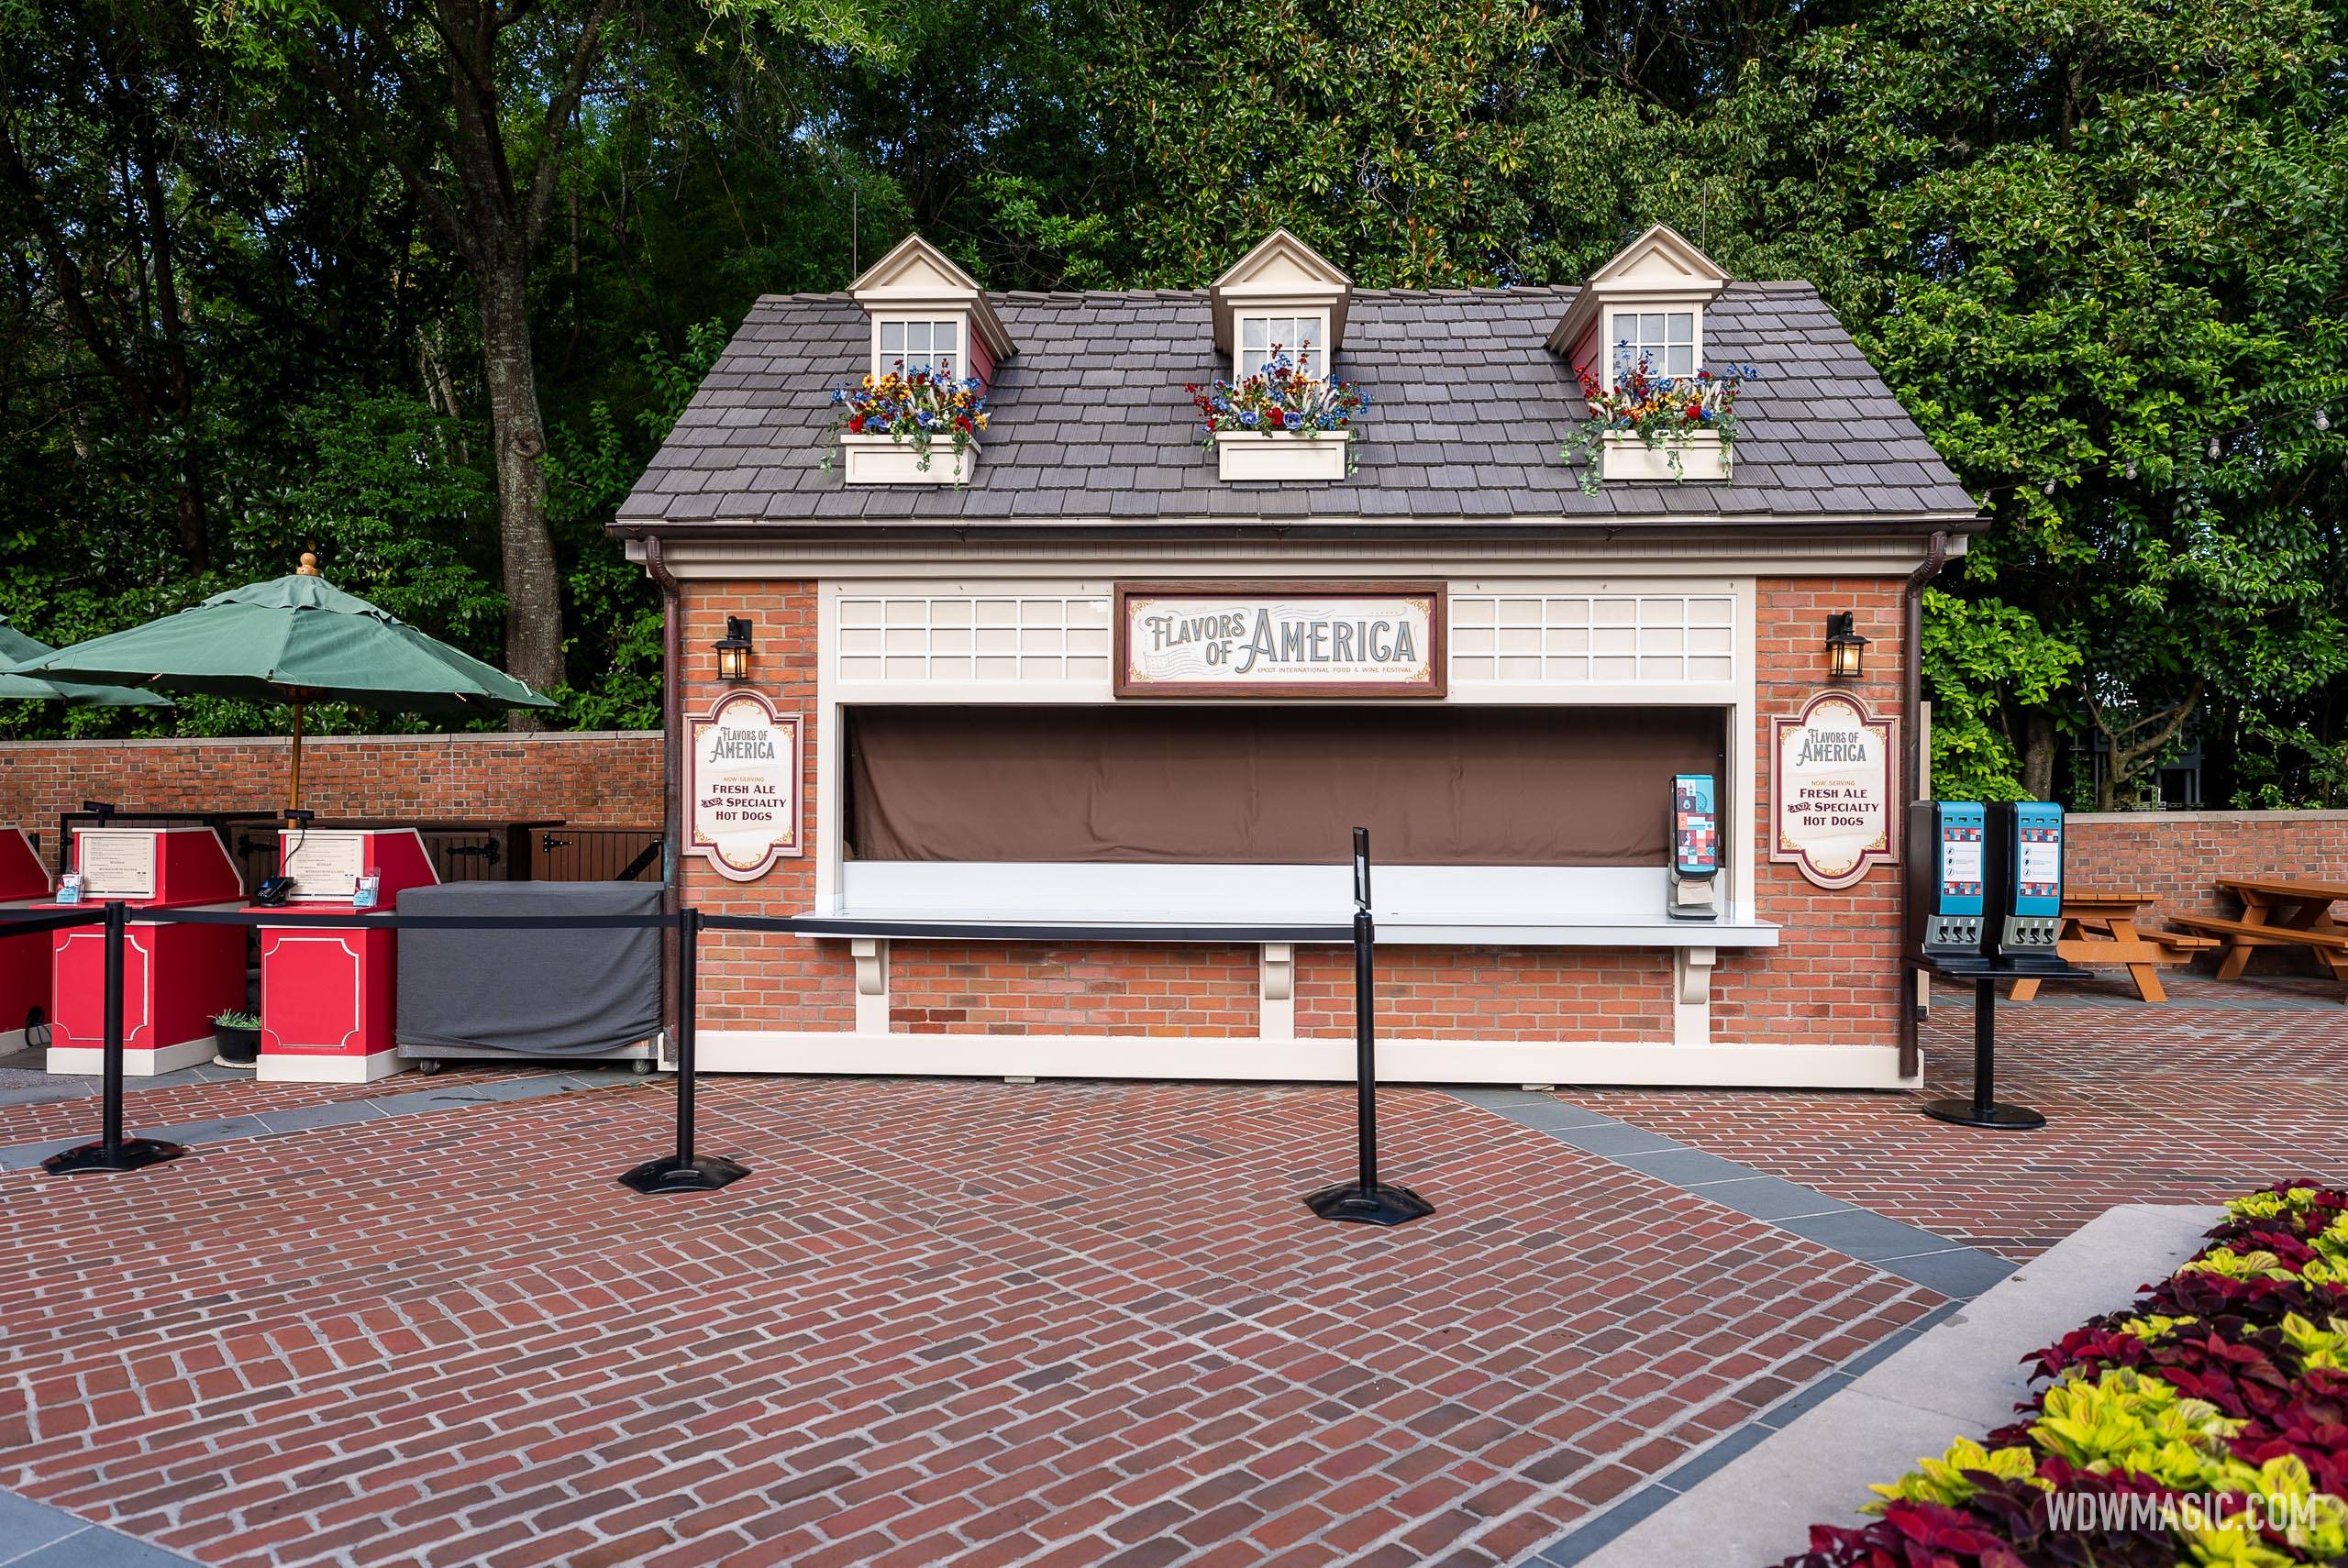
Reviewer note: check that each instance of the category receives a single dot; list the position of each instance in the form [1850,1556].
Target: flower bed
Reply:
[2207,1424]
[1281,423]
[1657,427]
[914,409]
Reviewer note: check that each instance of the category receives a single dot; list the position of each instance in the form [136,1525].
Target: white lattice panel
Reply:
[1009,637]
[1592,638]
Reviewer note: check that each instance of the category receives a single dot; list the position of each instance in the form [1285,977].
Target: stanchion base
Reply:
[707,1174]
[1379,1204]
[1996,1114]
[130,1154]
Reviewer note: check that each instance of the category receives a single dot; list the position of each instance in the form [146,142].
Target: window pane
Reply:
[1680,359]
[1683,327]
[1254,332]
[1650,331]
[945,333]
[945,364]
[917,338]
[892,337]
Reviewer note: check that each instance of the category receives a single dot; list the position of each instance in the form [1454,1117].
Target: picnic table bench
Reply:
[2099,932]
[2277,912]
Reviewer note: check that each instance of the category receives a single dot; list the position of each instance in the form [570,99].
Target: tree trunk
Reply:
[2041,749]
[533,586]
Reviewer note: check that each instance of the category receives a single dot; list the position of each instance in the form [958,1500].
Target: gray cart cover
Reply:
[547,993]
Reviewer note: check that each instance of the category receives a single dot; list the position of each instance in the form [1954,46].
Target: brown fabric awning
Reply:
[1451,785]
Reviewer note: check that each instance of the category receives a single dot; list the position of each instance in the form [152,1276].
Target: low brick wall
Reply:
[2177,857]
[588,778]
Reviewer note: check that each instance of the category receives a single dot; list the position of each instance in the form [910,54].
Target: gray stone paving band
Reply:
[1910,1253]
[335,1113]
[34,1535]
[1920,1256]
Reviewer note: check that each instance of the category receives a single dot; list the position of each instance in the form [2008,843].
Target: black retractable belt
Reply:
[113,1152]
[1365,1201]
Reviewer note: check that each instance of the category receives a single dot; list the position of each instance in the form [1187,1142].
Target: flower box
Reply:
[884,459]
[1279,454]
[1701,455]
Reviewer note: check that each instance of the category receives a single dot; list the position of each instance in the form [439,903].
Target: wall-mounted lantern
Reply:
[1845,649]
[734,649]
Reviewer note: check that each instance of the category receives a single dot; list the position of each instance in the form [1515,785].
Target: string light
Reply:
[2132,469]
[2216,452]
[2323,420]
[2048,487]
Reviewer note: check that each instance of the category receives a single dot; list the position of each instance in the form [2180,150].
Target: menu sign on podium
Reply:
[175,978]
[327,995]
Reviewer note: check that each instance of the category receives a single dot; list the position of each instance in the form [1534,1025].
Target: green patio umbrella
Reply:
[16,648]
[297,639]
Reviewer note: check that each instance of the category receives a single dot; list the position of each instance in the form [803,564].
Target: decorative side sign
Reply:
[1287,639]
[1830,784]
[742,785]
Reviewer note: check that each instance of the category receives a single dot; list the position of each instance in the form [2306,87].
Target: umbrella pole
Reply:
[294,804]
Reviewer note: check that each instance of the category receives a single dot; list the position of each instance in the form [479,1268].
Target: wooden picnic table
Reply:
[2277,911]
[2099,932]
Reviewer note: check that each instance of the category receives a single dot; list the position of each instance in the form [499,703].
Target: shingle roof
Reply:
[1090,420]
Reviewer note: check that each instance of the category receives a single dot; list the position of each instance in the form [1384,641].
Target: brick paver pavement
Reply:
[146,1104]
[958,1323]
[2228,1087]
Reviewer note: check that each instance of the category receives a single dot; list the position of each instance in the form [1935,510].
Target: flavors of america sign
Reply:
[1831,785]
[1253,639]
[742,785]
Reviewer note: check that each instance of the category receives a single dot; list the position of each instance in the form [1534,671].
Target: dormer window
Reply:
[913,344]
[1665,340]
[1649,300]
[1299,337]
[926,312]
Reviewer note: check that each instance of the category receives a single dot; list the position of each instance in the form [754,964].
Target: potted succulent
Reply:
[1648,426]
[885,432]
[1282,423]
[237,1036]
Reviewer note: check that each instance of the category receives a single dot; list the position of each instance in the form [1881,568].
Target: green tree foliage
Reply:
[2082,239]
[2085,241]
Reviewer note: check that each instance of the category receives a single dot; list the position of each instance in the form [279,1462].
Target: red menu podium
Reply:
[24,960]
[175,978]
[327,995]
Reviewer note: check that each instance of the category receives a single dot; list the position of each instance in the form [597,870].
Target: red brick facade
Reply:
[1832,979]
[1832,982]
[750,980]
[587,778]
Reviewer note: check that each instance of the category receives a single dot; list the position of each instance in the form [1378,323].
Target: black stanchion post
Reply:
[1365,1201]
[113,1152]
[684,1171]
[1983,1110]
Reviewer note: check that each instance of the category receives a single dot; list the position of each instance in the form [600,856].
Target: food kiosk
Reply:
[24,958]
[1042,735]
[327,995]
[176,978]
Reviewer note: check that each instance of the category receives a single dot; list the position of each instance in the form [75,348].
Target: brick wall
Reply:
[750,979]
[2177,857]
[1832,979]
[1491,993]
[588,779]
[1016,987]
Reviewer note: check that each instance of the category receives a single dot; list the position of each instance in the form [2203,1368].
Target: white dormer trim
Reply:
[1659,270]
[917,281]
[1281,276]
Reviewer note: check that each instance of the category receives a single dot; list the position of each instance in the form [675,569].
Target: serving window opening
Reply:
[1511,812]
